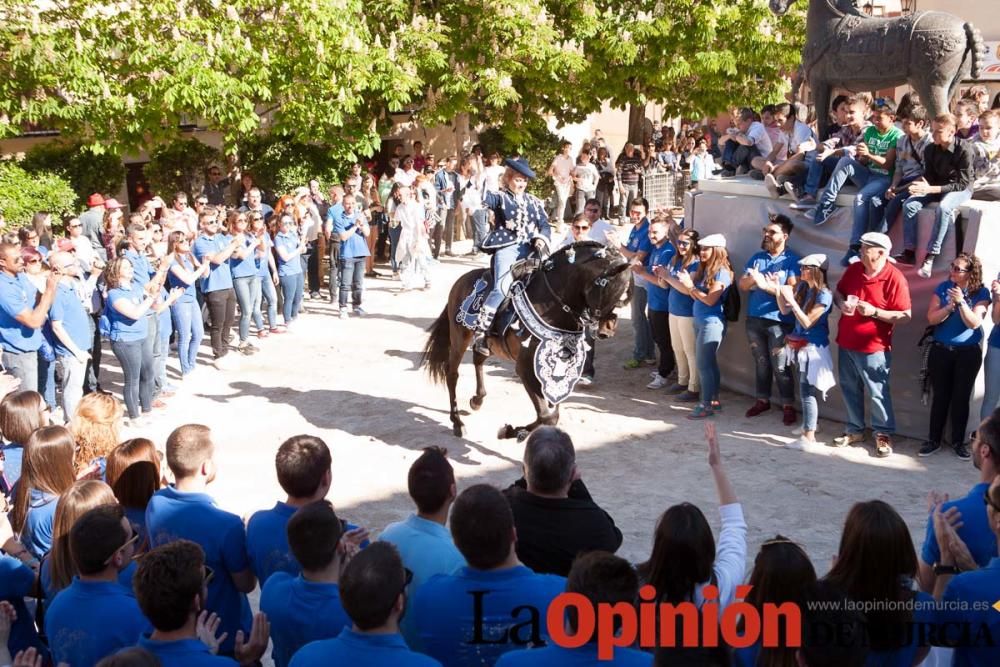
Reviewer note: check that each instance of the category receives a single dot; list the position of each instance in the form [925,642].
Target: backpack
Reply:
[731,304]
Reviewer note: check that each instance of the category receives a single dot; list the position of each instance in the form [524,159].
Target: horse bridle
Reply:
[589,317]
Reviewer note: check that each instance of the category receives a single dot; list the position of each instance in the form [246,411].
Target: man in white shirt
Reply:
[186,214]
[743,143]
[561,171]
[800,140]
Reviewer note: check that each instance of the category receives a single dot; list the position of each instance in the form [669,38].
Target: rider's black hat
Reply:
[520,165]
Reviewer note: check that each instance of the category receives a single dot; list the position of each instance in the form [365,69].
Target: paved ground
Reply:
[355,384]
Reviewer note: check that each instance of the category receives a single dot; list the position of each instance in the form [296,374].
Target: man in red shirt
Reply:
[873,297]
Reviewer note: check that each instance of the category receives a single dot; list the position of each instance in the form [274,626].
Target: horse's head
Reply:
[779,7]
[602,277]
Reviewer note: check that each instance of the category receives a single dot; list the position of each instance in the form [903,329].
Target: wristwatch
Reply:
[946,569]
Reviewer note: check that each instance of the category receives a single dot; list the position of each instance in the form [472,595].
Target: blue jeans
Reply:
[136,360]
[943,217]
[892,207]
[480,228]
[190,332]
[818,171]
[352,280]
[247,291]
[643,348]
[991,377]
[869,185]
[161,348]
[736,155]
[291,291]
[810,404]
[860,371]
[47,381]
[265,291]
[708,338]
[767,347]
[503,259]
[23,366]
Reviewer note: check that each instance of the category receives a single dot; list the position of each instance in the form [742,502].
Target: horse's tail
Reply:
[436,351]
[974,40]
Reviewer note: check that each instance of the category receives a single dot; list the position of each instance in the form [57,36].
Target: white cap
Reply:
[876,239]
[816,259]
[712,241]
[301,192]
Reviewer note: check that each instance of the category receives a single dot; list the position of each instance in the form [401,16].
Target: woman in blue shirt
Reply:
[289,247]
[680,306]
[809,342]
[267,279]
[708,289]
[48,471]
[956,312]
[21,414]
[186,313]
[243,263]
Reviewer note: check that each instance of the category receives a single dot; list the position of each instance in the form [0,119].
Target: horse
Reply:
[575,287]
[931,51]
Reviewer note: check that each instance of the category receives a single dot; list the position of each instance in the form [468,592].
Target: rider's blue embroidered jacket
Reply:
[530,220]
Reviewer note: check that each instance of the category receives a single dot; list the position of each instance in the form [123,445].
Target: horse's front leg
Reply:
[457,351]
[544,414]
[477,400]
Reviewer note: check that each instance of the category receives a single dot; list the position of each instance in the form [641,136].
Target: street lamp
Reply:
[908,6]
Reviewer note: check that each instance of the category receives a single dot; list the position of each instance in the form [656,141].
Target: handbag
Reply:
[796,342]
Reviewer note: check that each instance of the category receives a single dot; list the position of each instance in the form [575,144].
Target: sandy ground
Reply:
[355,384]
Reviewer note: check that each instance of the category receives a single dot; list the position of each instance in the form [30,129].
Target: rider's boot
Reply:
[479,344]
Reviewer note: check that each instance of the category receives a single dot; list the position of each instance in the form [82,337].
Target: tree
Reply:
[23,194]
[86,171]
[180,166]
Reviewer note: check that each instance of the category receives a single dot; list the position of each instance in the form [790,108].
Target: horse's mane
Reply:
[596,246]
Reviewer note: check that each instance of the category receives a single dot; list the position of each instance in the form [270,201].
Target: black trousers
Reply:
[222,312]
[90,380]
[953,374]
[312,266]
[660,324]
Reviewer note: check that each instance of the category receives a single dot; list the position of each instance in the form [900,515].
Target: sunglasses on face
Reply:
[955,268]
[581,227]
[130,541]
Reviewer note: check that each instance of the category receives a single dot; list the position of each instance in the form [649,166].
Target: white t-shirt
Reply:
[585,176]
[563,167]
[801,132]
[757,134]
[492,175]
[598,232]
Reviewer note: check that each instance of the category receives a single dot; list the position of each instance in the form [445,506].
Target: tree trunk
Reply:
[637,122]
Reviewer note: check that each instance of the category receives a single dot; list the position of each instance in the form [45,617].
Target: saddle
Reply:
[468,312]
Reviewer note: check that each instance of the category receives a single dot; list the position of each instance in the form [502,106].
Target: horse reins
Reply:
[585,318]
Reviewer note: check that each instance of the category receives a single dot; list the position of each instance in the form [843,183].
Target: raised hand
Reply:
[207,627]
[714,455]
[250,651]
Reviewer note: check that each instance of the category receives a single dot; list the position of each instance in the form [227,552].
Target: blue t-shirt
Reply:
[982,586]
[426,548]
[262,263]
[67,308]
[137,517]
[142,268]
[585,656]
[924,615]
[786,265]
[13,454]
[638,241]
[89,620]
[468,617]
[679,303]
[17,580]
[17,295]
[246,267]
[300,612]
[975,530]
[45,579]
[36,535]
[190,293]
[355,245]
[289,242]
[658,298]
[124,328]
[173,515]
[355,648]
[819,333]
[701,311]
[220,277]
[954,331]
[184,653]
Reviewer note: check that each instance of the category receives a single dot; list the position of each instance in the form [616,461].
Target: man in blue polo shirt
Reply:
[171,587]
[95,615]
[422,539]
[217,286]
[185,511]
[975,531]
[493,605]
[303,465]
[637,248]
[69,328]
[351,230]
[657,299]
[307,607]
[775,265]
[373,591]
[22,314]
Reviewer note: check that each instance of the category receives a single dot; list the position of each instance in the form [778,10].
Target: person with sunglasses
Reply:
[956,311]
[69,328]
[216,187]
[22,314]
[95,615]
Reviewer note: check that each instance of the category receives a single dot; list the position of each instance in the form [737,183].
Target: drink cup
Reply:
[851,304]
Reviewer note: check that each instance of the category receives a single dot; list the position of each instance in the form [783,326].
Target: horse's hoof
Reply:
[506,431]
[458,430]
[522,434]
[476,402]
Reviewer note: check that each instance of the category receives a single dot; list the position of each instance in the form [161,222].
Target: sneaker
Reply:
[688,397]
[651,362]
[359,311]
[715,405]
[759,407]
[727,173]
[658,382]
[314,295]
[632,364]
[823,220]
[883,445]
[585,381]
[907,257]
[788,415]
[800,444]
[793,191]
[343,313]
[742,171]
[773,187]
[962,451]
[927,267]
[808,214]
[676,388]
[849,258]
[928,448]
[700,412]
[804,202]
[848,439]
[756,174]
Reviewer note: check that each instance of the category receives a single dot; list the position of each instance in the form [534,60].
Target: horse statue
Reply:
[931,51]
[576,287]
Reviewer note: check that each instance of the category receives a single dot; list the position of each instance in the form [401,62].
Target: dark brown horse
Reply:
[570,289]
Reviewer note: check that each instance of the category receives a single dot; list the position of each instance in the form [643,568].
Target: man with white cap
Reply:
[873,297]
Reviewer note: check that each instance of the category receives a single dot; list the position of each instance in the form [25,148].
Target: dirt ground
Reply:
[356,384]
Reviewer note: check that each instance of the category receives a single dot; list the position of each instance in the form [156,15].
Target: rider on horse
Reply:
[520,224]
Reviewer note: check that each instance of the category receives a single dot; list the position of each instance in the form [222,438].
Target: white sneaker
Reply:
[659,382]
[343,313]
[927,267]
[772,185]
[584,381]
[803,445]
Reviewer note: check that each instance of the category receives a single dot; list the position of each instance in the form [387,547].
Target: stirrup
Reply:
[480,344]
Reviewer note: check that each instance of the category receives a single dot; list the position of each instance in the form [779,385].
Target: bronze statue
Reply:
[931,51]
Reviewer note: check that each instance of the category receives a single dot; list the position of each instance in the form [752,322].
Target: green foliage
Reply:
[280,164]
[86,171]
[535,143]
[23,194]
[180,166]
